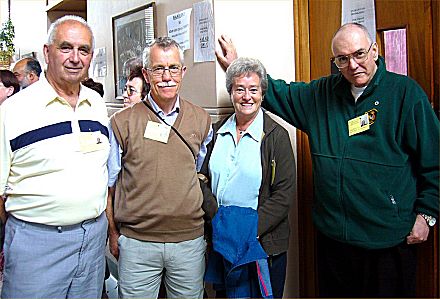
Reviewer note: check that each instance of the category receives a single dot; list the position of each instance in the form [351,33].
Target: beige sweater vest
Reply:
[158,196]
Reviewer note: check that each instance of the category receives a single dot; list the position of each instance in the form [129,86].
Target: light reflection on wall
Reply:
[395,51]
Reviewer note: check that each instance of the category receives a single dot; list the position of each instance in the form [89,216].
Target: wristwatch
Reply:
[429,219]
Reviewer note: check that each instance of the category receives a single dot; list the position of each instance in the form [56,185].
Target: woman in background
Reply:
[8,85]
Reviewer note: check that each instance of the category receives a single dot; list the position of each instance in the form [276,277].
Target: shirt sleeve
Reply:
[203,149]
[114,159]
[5,155]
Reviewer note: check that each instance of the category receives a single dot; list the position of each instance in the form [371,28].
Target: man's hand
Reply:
[113,237]
[228,53]
[419,232]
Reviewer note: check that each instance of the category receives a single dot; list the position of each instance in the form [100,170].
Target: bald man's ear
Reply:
[32,77]
[375,51]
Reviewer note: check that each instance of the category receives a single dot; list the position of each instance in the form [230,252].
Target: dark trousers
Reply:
[277,270]
[349,271]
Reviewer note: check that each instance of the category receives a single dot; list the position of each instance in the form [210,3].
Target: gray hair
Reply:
[163,43]
[244,66]
[69,18]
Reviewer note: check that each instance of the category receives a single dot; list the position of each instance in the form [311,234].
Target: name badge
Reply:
[358,124]
[91,142]
[157,131]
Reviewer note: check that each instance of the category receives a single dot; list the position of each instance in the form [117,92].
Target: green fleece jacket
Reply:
[370,186]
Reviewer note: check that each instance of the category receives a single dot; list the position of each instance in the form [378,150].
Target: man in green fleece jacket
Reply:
[374,140]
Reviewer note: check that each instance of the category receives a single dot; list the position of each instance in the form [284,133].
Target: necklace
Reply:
[241,132]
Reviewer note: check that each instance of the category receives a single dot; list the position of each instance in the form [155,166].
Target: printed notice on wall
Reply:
[178,26]
[362,12]
[204,45]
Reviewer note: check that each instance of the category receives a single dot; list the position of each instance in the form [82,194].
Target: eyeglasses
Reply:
[175,70]
[130,90]
[342,61]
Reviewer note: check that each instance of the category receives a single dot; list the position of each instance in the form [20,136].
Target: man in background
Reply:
[27,71]
[53,152]
[376,184]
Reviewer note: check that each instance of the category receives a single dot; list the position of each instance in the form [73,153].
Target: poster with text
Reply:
[204,45]
[178,26]
[362,12]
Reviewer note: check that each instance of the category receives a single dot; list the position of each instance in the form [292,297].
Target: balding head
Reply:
[351,42]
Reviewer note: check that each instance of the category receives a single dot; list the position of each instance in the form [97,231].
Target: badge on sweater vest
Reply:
[157,131]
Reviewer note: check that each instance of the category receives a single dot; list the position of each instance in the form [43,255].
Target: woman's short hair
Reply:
[245,66]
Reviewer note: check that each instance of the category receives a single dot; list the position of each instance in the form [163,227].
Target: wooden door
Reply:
[315,23]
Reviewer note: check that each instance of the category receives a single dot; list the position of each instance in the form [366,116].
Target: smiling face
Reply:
[68,57]
[246,96]
[351,40]
[165,86]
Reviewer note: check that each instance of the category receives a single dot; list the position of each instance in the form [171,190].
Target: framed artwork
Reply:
[132,31]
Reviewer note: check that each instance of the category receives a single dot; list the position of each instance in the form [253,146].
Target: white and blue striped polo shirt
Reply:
[48,174]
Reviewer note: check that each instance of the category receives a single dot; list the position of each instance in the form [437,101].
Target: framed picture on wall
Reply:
[132,31]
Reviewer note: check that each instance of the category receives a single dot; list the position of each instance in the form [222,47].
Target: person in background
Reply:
[156,225]
[53,151]
[96,86]
[264,191]
[27,71]
[136,87]
[8,85]
[376,186]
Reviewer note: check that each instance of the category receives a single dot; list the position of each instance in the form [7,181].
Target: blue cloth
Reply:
[235,246]
[114,159]
[236,166]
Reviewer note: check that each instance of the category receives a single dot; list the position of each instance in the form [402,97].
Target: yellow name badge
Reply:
[157,131]
[91,141]
[358,124]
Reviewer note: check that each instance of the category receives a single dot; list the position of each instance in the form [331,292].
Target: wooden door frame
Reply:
[306,231]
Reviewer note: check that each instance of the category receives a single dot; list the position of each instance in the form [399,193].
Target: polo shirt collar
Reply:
[52,96]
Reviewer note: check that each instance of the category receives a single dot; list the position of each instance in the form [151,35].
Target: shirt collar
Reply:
[52,96]
[156,107]
[255,130]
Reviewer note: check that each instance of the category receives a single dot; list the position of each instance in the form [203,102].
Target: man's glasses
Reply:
[342,61]
[130,90]
[175,70]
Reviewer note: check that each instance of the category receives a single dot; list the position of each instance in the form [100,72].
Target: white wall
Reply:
[262,29]
[30,22]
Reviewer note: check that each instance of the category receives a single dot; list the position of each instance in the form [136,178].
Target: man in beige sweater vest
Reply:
[155,200]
